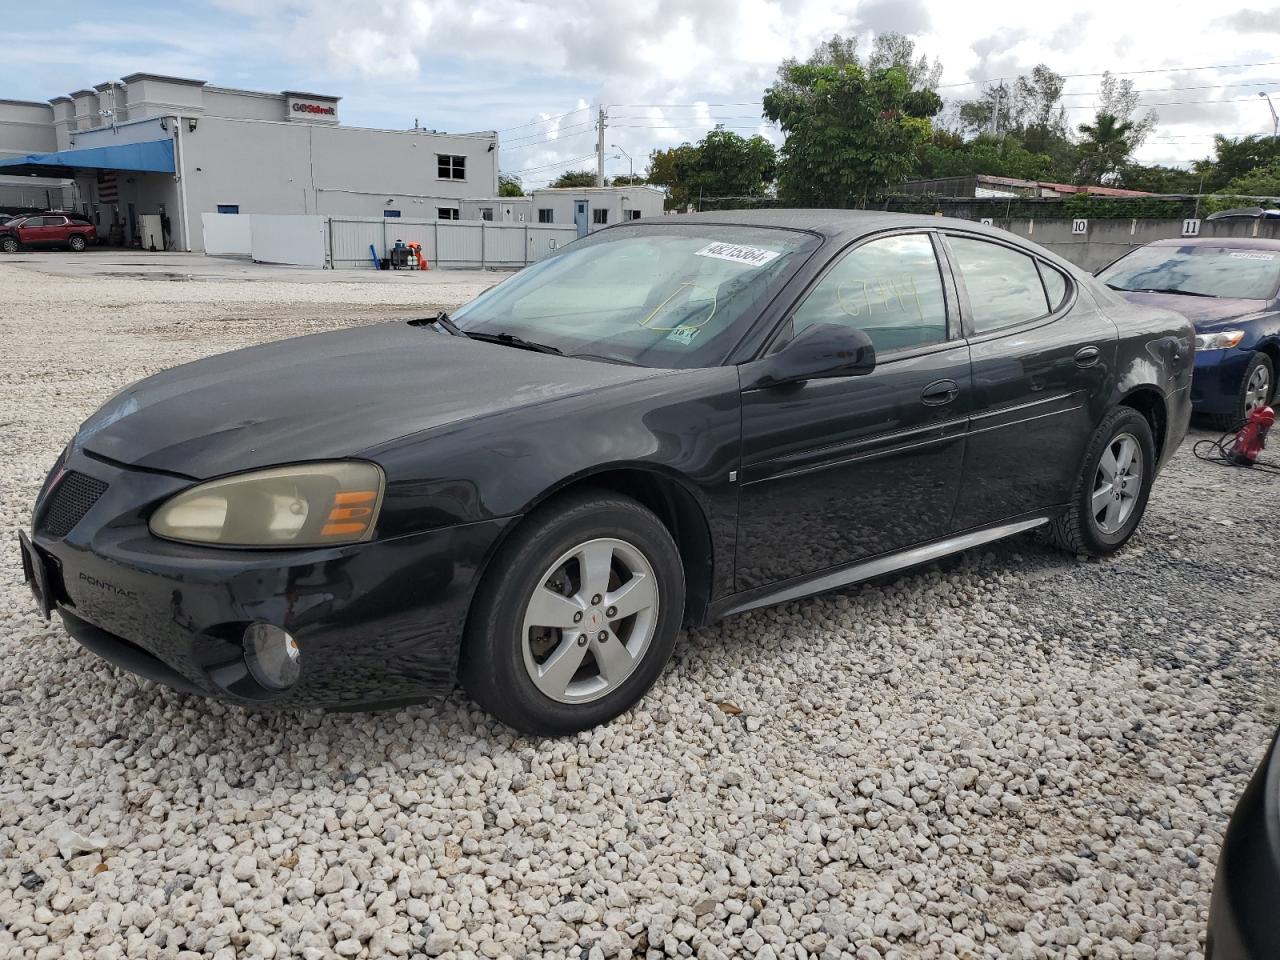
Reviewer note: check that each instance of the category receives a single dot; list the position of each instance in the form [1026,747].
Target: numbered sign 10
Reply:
[1079,228]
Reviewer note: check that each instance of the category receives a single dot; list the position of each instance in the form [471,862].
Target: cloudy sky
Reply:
[666,70]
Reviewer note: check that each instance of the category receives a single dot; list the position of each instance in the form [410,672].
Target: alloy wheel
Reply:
[1117,483]
[590,620]
[1258,390]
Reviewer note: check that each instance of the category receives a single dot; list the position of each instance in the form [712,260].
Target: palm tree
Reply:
[1106,147]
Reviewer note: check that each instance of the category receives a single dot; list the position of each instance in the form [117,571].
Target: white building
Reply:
[179,148]
[588,208]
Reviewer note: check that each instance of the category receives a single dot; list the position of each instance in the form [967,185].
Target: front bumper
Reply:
[378,623]
[1215,384]
[1243,921]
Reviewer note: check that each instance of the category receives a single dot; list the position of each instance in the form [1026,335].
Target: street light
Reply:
[614,146]
[1275,120]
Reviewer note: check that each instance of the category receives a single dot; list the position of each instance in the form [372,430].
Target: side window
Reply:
[890,289]
[1055,285]
[1003,285]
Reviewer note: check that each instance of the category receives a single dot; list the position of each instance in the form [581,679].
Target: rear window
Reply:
[1206,271]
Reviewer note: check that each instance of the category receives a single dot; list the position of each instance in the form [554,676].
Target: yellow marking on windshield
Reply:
[674,293]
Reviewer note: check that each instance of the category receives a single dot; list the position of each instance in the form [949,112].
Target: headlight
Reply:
[310,504]
[1221,340]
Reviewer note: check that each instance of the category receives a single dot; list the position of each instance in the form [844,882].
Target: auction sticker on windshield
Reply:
[1253,256]
[738,253]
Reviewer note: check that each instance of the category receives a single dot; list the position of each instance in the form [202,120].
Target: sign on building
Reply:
[1191,228]
[987,222]
[1079,228]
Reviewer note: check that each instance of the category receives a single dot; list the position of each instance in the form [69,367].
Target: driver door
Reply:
[839,470]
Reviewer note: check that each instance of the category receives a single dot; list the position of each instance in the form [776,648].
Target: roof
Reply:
[829,223]
[160,76]
[1246,243]
[313,96]
[154,156]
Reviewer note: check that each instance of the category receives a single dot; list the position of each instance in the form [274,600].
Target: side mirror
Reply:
[819,352]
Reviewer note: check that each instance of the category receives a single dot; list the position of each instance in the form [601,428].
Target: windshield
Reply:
[1198,270]
[659,295]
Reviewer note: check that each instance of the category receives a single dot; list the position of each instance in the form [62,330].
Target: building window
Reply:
[228,208]
[447,213]
[599,215]
[546,215]
[391,213]
[632,214]
[451,167]
[486,213]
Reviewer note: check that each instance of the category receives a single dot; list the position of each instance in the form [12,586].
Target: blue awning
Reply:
[152,156]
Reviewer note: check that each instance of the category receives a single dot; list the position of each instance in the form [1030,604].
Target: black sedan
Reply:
[1243,921]
[664,423]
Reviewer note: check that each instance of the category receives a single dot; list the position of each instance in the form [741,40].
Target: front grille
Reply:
[70,500]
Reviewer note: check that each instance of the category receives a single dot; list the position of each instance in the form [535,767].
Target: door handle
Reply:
[1087,356]
[939,392]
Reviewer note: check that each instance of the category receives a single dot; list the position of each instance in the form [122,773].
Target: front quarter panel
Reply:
[684,425]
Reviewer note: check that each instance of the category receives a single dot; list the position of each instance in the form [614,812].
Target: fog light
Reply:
[272,656]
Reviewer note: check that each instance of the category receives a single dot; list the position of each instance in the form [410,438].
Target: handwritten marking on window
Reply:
[859,298]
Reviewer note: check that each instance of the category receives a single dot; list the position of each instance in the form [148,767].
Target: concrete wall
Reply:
[1106,240]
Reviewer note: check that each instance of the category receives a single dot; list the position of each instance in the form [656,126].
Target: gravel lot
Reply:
[1012,754]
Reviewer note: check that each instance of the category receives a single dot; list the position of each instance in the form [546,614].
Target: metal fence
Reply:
[445,243]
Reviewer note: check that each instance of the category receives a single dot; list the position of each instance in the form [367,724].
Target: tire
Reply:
[506,664]
[9,245]
[77,243]
[1080,529]
[1260,373]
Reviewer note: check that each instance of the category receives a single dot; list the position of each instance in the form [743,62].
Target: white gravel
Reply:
[1013,754]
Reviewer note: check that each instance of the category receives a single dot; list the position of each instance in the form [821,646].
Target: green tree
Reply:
[575,178]
[1258,182]
[1155,178]
[629,180]
[850,133]
[950,155]
[509,186]
[722,169]
[1106,147]
[1235,158]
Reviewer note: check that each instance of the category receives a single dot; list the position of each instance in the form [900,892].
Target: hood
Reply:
[1207,313]
[326,396]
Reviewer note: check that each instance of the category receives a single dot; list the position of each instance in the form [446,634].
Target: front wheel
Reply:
[9,245]
[1256,388]
[77,243]
[576,617]
[1111,491]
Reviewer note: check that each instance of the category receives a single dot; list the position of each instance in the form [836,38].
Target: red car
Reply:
[47,230]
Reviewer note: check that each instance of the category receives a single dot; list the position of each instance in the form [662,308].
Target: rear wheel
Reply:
[576,617]
[77,243]
[9,245]
[1256,388]
[1111,492]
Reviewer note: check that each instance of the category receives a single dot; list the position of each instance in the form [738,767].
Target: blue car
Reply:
[1229,287]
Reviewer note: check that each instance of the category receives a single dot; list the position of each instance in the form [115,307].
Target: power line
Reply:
[542,120]
[1124,73]
[547,166]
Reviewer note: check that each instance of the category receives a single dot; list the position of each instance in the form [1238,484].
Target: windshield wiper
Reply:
[1181,293]
[440,320]
[511,340]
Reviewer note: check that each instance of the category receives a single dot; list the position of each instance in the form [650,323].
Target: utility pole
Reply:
[600,148]
[1275,121]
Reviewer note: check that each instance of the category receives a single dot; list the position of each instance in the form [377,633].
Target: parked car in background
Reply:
[47,230]
[1244,923]
[1229,287]
[663,423]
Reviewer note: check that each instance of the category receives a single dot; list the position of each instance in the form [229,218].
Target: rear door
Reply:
[1042,356]
[838,470]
